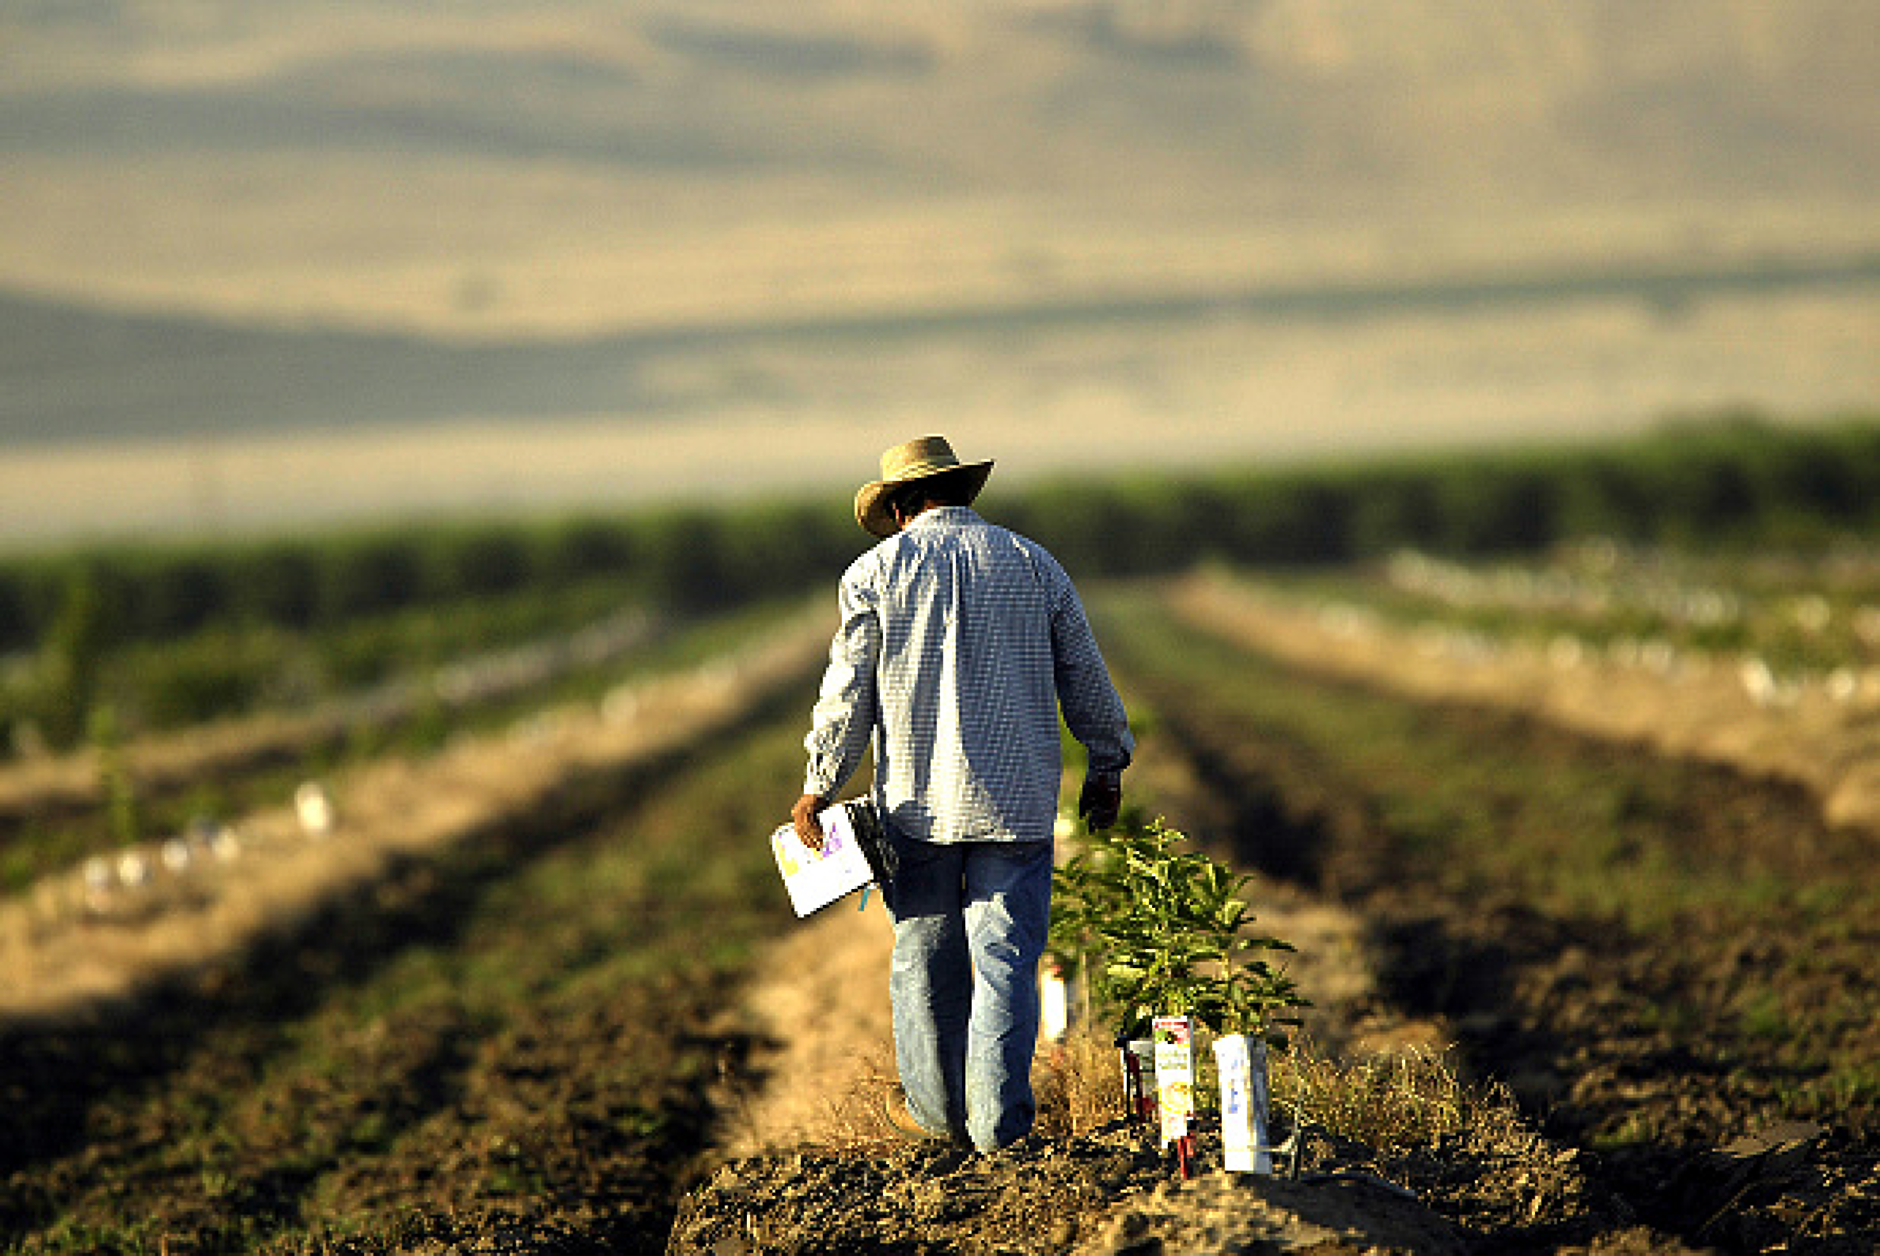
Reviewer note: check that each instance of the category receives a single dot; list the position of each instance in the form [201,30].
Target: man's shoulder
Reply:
[866,567]
[1040,556]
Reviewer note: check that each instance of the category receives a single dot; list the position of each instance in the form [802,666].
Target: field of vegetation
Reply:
[491,993]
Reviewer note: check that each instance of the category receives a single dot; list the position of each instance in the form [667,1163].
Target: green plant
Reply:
[70,657]
[120,790]
[1158,930]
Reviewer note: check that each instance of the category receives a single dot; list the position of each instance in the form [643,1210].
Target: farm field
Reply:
[1657,955]
[537,1032]
[421,427]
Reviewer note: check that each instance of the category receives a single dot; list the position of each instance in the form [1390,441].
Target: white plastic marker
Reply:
[1175,1084]
[1054,1004]
[314,809]
[1243,1104]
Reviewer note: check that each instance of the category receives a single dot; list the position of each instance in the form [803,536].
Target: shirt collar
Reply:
[942,515]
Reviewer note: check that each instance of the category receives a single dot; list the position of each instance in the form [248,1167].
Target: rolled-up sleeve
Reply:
[844,716]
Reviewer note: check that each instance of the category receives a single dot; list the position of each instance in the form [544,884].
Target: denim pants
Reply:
[970,920]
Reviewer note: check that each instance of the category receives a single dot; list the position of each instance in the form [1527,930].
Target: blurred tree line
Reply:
[1735,480]
[1718,483]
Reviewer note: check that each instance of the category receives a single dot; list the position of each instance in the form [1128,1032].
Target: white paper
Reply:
[815,880]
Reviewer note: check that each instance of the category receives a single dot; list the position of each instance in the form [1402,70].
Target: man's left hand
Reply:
[803,816]
[1100,801]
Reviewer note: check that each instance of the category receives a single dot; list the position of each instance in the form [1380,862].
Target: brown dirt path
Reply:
[822,996]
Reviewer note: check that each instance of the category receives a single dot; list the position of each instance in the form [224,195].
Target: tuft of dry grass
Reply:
[1079,1086]
[1076,1082]
[1389,1101]
[855,1119]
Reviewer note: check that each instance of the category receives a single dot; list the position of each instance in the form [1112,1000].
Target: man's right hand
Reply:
[803,816]
[1100,801]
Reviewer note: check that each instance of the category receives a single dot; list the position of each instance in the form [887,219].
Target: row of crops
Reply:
[1817,619]
[174,790]
[176,635]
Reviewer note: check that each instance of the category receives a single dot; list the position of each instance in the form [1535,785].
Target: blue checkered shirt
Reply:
[959,642]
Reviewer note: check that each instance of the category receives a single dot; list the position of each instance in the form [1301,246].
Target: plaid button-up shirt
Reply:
[959,642]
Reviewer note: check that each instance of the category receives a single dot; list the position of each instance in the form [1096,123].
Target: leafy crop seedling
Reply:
[1157,930]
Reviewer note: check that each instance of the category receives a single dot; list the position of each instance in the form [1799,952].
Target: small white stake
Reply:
[314,808]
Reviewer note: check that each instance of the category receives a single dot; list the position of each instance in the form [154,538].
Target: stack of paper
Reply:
[817,879]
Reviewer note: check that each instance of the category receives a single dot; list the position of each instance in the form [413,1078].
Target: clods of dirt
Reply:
[1041,1195]
[1111,1192]
[1326,1216]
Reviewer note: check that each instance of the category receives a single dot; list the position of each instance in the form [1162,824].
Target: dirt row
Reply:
[1631,1049]
[1650,1117]
[504,1043]
[1625,1053]
[69,945]
[1705,711]
[278,1103]
[61,785]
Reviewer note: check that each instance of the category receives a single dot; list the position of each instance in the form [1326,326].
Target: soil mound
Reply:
[1093,1195]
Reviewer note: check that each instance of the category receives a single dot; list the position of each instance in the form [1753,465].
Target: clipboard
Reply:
[854,855]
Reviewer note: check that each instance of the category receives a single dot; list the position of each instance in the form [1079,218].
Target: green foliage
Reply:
[584,548]
[370,576]
[1162,931]
[120,791]
[221,673]
[277,585]
[486,560]
[70,658]
[186,593]
[1734,480]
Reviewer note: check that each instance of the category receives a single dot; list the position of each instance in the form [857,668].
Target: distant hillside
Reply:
[1292,101]
[1041,216]
[76,374]
[564,165]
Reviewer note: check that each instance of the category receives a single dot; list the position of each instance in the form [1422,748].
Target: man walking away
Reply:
[959,644]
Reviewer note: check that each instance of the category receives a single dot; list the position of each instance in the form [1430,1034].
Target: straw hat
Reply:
[922,458]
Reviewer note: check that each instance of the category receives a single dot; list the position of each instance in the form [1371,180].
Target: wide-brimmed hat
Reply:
[920,459]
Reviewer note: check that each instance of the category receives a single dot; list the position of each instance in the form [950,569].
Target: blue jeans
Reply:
[970,920]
